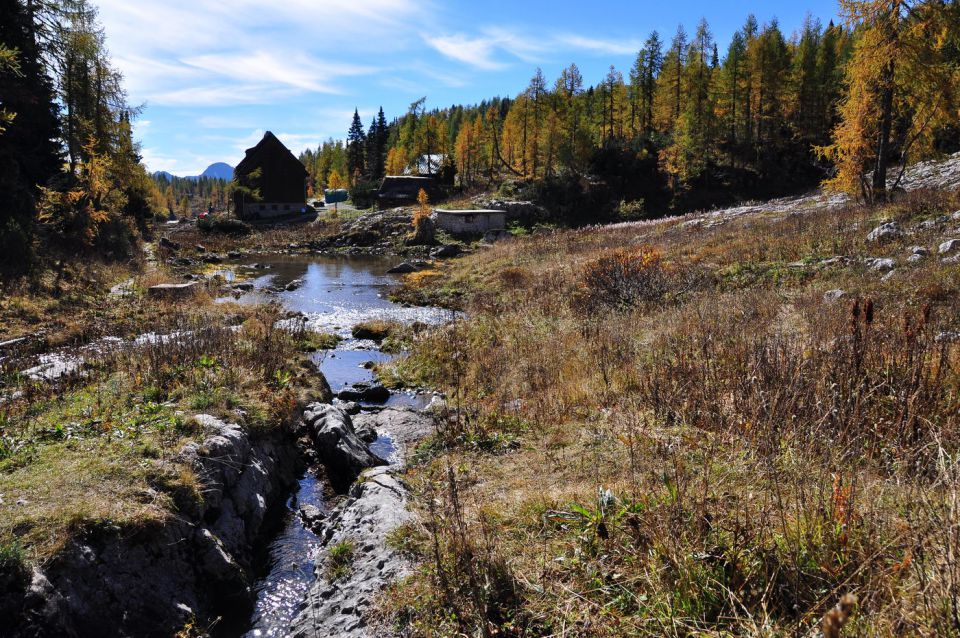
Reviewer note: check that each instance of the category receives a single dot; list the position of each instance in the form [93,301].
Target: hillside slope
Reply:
[741,422]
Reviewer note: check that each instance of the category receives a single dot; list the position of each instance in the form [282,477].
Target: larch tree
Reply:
[901,85]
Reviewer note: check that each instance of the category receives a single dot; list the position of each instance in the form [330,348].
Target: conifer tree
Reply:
[29,156]
[356,141]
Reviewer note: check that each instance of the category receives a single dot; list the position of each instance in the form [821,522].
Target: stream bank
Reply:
[240,560]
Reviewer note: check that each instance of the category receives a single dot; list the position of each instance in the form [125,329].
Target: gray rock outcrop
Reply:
[339,447]
[377,505]
[194,565]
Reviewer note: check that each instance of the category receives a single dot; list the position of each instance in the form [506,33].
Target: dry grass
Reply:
[703,445]
[99,449]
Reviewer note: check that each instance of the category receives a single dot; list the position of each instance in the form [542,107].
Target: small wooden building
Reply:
[470,222]
[402,190]
[271,181]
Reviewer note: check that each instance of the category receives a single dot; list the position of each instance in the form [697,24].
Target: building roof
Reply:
[479,211]
[269,150]
[405,186]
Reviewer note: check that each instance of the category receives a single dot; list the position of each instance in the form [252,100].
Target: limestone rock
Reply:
[337,443]
[885,232]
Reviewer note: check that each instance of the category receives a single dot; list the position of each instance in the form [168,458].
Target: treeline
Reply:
[691,123]
[70,171]
[184,196]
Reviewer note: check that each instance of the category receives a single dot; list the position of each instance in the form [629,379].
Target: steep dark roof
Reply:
[283,176]
[269,151]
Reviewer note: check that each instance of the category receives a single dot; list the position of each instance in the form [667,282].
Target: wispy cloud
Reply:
[597,45]
[476,51]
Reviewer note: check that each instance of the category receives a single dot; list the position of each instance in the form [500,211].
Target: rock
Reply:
[367,432]
[234,254]
[949,246]
[955,216]
[402,269]
[493,236]
[293,285]
[337,443]
[888,276]
[377,506]
[948,337]
[168,244]
[424,234]
[244,286]
[447,251]
[200,248]
[375,394]
[350,407]
[833,295]
[213,258]
[350,394]
[955,259]
[168,292]
[182,261]
[919,250]
[915,258]
[885,232]
[312,516]
[881,264]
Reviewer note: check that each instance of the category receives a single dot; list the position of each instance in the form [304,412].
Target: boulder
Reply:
[294,285]
[213,258]
[949,246]
[375,394]
[337,443]
[402,269]
[833,295]
[882,264]
[447,251]
[168,244]
[885,232]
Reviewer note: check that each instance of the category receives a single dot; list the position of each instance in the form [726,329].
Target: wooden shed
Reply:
[402,190]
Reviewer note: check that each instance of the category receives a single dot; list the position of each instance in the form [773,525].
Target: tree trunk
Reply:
[883,139]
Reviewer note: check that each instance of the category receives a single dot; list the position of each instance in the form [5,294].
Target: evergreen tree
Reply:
[29,156]
[356,142]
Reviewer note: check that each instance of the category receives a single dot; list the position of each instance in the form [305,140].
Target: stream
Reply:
[336,293]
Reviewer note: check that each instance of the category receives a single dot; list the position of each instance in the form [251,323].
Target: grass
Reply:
[98,450]
[340,560]
[688,438]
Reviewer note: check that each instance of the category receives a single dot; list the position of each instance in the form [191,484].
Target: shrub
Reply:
[223,225]
[624,278]
[631,211]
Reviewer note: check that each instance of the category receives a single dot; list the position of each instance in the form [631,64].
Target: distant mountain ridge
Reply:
[217,170]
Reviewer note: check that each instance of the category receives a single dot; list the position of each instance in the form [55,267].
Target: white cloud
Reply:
[199,52]
[475,51]
[612,47]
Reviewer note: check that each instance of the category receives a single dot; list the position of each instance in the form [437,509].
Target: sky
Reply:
[212,75]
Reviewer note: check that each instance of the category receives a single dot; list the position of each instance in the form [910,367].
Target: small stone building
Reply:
[470,222]
[402,190]
[271,171]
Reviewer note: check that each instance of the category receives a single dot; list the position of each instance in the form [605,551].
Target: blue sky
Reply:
[213,75]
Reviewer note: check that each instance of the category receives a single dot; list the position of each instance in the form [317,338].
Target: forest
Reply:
[693,123]
[69,166]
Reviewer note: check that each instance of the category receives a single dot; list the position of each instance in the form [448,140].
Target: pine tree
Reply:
[355,145]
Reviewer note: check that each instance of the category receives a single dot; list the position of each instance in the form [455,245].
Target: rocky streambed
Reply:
[254,557]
